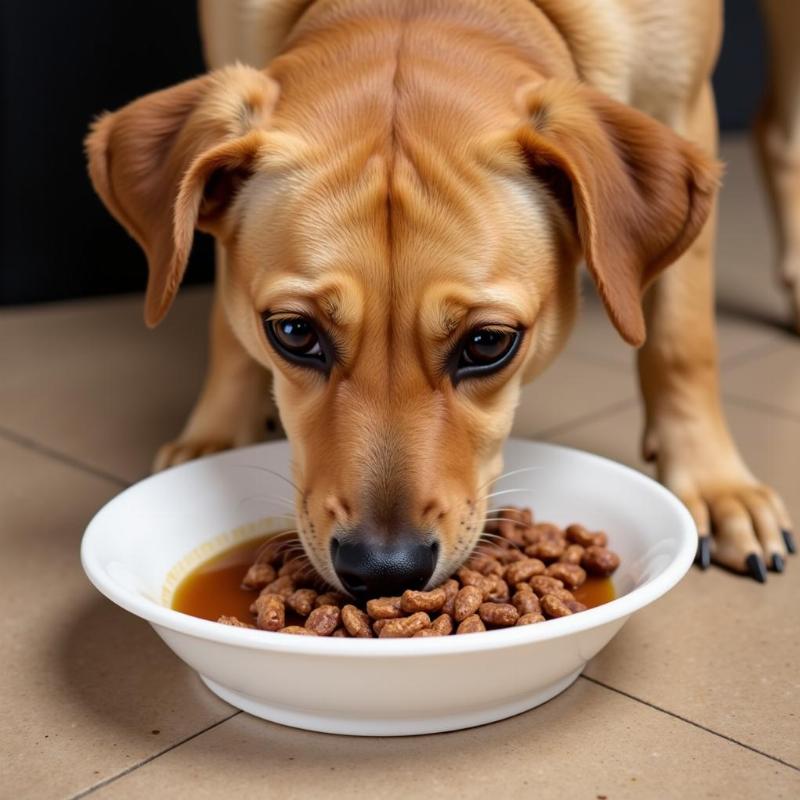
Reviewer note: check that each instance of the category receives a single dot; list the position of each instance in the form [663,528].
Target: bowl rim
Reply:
[619,609]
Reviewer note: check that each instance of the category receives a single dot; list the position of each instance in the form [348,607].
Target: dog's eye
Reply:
[486,350]
[296,339]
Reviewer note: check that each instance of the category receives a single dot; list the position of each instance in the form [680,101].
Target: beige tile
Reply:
[719,649]
[570,390]
[84,686]
[595,339]
[770,381]
[587,742]
[89,379]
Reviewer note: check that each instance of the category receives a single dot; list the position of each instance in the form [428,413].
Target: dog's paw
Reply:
[182,450]
[742,524]
[194,444]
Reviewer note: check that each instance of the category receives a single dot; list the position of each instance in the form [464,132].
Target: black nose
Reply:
[369,566]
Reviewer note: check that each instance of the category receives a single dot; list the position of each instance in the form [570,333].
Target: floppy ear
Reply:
[637,192]
[173,160]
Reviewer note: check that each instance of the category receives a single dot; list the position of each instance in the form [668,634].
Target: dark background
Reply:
[64,62]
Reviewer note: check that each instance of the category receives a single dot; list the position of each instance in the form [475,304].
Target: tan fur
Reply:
[400,173]
[778,137]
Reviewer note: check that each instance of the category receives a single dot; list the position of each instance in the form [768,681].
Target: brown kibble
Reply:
[564,595]
[258,576]
[524,570]
[554,607]
[498,590]
[574,606]
[546,549]
[467,602]
[580,535]
[472,624]
[298,630]
[599,539]
[510,556]
[443,624]
[282,586]
[302,601]
[384,608]
[234,622]
[600,561]
[544,584]
[487,565]
[433,600]
[356,622]
[502,615]
[512,530]
[572,555]
[451,588]
[270,611]
[530,619]
[377,626]
[341,633]
[405,627]
[526,602]
[469,577]
[323,620]
[330,599]
[426,632]
[570,575]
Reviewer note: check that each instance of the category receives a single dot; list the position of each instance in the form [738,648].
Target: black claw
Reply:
[777,562]
[756,568]
[788,540]
[703,556]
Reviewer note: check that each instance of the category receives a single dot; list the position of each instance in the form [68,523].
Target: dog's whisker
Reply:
[285,501]
[506,491]
[507,475]
[505,519]
[272,472]
[488,535]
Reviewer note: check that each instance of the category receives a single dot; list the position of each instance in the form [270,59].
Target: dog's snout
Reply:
[372,566]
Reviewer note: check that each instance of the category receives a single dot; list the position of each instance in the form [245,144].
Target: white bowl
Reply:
[140,545]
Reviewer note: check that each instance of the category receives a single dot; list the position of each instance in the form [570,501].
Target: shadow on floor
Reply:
[114,667]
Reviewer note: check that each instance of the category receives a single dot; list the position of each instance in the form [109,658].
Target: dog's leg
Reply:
[778,137]
[686,432]
[235,406]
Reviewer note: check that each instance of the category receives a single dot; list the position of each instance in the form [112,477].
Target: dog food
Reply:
[522,573]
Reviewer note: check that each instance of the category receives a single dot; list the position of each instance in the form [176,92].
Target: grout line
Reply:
[759,405]
[691,722]
[736,360]
[57,455]
[584,419]
[128,770]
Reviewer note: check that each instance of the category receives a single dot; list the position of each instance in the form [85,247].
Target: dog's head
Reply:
[400,283]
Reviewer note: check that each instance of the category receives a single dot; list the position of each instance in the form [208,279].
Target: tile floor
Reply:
[698,696]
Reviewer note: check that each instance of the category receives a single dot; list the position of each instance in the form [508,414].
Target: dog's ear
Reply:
[173,160]
[637,192]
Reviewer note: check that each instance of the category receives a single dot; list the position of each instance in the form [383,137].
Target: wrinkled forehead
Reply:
[433,242]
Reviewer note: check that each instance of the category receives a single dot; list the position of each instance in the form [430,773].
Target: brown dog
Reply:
[401,199]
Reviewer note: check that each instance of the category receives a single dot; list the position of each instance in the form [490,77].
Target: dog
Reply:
[401,198]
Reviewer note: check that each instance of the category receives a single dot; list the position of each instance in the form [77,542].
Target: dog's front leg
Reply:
[778,136]
[235,406]
[686,432]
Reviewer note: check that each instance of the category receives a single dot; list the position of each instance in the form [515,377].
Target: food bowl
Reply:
[144,541]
